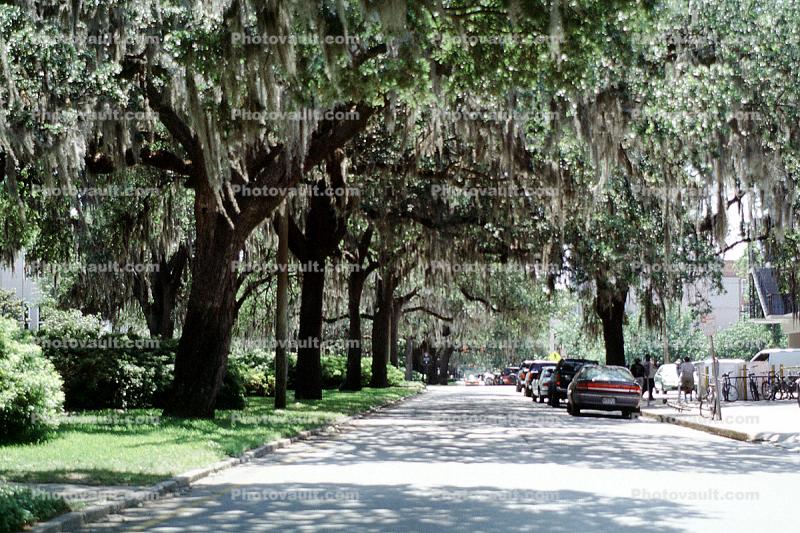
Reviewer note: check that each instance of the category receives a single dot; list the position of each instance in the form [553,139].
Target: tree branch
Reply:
[342,317]
[431,312]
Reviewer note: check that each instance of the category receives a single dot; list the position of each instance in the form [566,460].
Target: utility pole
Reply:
[281,308]
[715,371]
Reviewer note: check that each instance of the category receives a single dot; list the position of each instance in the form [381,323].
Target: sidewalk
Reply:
[775,422]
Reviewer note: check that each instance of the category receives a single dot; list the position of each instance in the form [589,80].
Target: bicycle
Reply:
[788,384]
[729,391]
[797,388]
[708,405]
[771,388]
[753,387]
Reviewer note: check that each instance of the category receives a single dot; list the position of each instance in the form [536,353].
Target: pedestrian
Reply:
[650,368]
[686,373]
[638,371]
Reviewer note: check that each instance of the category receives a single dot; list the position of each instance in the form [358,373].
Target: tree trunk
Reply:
[308,384]
[610,307]
[433,365]
[381,332]
[409,359]
[202,355]
[281,310]
[325,229]
[355,288]
[394,322]
[444,363]
[157,293]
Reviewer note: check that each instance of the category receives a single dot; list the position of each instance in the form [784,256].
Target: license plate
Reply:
[609,401]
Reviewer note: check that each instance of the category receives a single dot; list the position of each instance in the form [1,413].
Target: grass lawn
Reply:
[130,452]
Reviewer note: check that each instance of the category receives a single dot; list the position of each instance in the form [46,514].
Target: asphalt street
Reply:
[488,459]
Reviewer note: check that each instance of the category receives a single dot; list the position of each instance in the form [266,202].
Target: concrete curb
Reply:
[722,432]
[77,519]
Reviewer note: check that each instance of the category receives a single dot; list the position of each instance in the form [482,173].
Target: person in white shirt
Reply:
[649,376]
[686,374]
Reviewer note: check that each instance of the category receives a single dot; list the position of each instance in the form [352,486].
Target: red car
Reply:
[509,375]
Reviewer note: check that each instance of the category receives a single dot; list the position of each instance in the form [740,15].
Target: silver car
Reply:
[541,384]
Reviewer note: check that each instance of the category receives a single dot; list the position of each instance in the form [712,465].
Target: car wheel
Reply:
[571,409]
[553,401]
[626,414]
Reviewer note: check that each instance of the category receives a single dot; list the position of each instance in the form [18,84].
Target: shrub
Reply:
[30,388]
[20,507]
[334,369]
[257,371]
[395,376]
[232,393]
[111,372]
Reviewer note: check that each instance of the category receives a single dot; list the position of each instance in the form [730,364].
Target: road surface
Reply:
[487,459]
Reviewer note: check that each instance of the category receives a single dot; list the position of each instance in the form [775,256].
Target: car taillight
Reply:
[610,387]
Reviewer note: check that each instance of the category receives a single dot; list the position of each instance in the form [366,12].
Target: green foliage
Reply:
[106,370]
[683,338]
[395,376]
[20,507]
[741,340]
[575,340]
[69,324]
[110,370]
[9,305]
[30,388]
[745,339]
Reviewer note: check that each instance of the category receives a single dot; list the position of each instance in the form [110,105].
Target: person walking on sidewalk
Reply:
[686,374]
[649,376]
[638,371]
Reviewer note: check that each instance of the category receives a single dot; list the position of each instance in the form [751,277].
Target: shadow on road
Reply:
[498,427]
[372,507]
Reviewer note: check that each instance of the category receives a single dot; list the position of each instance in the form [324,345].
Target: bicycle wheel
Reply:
[754,391]
[777,392]
[731,394]
[765,391]
[708,407]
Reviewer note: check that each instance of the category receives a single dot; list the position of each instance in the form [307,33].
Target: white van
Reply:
[773,358]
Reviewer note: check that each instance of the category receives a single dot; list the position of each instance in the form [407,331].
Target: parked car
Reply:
[604,388]
[667,379]
[509,375]
[533,373]
[472,379]
[562,376]
[523,371]
[541,385]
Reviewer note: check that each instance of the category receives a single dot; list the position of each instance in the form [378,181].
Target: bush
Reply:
[113,371]
[232,393]
[395,376]
[744,339]
[334,370]
[20,507]
[30,388]
[257,370]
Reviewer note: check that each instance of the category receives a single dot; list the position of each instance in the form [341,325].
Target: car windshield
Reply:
[606,373]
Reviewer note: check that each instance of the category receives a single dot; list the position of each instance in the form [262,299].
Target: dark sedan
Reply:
[604,388]
[562,376]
